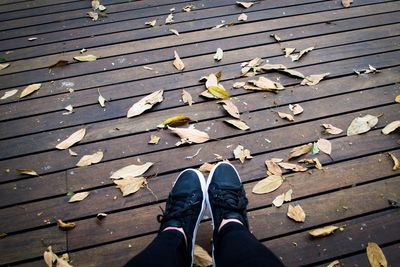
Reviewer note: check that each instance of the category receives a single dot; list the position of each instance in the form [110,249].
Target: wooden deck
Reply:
[352,190]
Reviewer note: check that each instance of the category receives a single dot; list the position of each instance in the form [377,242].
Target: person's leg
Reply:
[174,245]
[233,244]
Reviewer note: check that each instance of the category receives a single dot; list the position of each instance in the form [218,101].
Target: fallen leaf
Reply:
[313,79]
[151,23]
[375,255]
[230,108]
[206,167]
[296,213]
[250,65]
[86,58]
[95,4]
[174,32]
[188,8]
[324,146]
[101,99]
[323,231]
[241,153]
[276,37]
[88,160]
[334,263]
[297,57]
[242,17]
[207,94]
[131,171]
[147,68]
[78,197]
[49,257]
[244,4]
[330,129]
[280,68]
[178,63]
[27,172]
[187,97]
[347,3]
[296,109]
[314,149]
[288,195]
[218,92]
[371,69]
[285,197]
[32,39]
[292,166]
[9,94]
[285,116]
[238,124]
[201,257]
[145,103]
[65,226]
[190,135]
[267,185]
[130,185]
[266,84]
[69,109]
[178,120]
[3,66]
[63,261]
[362,124]
[100,216]
[391,127]
[30,89]
[219,54]
[396,163]
[72,139]
[72,153]
[60,63]
[238,84]
[300,150]
[169,19]
[211,80]
[314,161]
[154,139]
[397,99]
[273,167]
[288,51]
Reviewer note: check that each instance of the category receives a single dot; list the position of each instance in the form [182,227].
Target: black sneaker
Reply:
[185,206]
[226,197]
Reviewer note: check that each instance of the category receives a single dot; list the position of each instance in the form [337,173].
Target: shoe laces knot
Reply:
[179,206]
[231,200]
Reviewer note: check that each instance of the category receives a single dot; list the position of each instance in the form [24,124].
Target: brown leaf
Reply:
[323,231]
[60,63]
[313,79]
[187,97]
[276,37]
[78,197]
[296,109]
[178,63]
[244,4]
[297,57]
[169,19]
[296,213]
[27,172]
[72,139]
[8,94]
[151,23]
[300,150]
[86,58]
[241,153]
[292,166]
[154,139]
[190,135]
[375,255]
[30,89]
[238,124]
[391,127]
[130,185]
[131,171]
[273,167]
[267,185]
[324,146]
[174,32]
[3,66]
[178,120]
[206,167]
[145,103]
[101,99]
[285,116]
[230,108]
[65,226]
[330,129]
[201,257]
[396,163]
[219,54]
[88,160]
[280,68]
[314,161]
[242,17]
[288,51]
[49,257]
[362,124]
[347,3]
[266,84]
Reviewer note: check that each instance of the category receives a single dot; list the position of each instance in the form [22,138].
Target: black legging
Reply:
[235,246]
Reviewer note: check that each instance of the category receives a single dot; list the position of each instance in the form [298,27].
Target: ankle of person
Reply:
[225,221]
[171,228]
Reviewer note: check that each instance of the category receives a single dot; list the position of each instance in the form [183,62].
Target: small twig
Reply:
[192,157]
[151,191]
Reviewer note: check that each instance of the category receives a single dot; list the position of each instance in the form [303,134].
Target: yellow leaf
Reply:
[396,163]
[391,127]
[244,4]
[230,108]
[297,57]
[267,185]
[178,63]
[324,146]
[65,226]
[293,167]
[3,66]
[190,135]
[154,139]
[241,153]
[86,58]
[207,94]
[324,231]
[296,109]
[131,171]
[218,92]
[397,99]
[145,103]
[9,94]
[30,89]
[362,124]
[285,116]
[176,121]
[87,160]
[27,172]
[330,129]
[375,255]
[187,97]
[266,84]
[130,185]
[78,197]
[313,79]
[174,32]
[296,213]
[347,3]
[72,139]
[300,150]
[206,167]
[242,17]
[201,257]
[151,23]
[49,257]
[238,124]
[273,167]
[219,54]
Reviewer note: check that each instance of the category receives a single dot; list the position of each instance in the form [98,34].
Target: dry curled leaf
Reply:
[267,185]
[266,84]
[230,108]
[187,97]
[30,89]
[188,8]
[238,84]
[292,166]
[201,257]
[49,257]
[324,146]
[154,139]
[190,135]
[93,15]
[375,255]
[362,124]
[72,153]
[8,94]
[285,197]
[27,172]
[218,92]
[314,161]
[78,197]
[238,124]
[334,263]
[323,231]
[72,139]
[174,32]
[330,129]
[391,127]
[178,120]
[276,37]
[59,63]
[169,19]
[296,213]
[347,3]
[242,17]
[145,103]
[69,109]
[296,57]
[313,79]
[288,51]
[396,163]
[130,185]
[244,4]
[101,99]
[151,23]
[88,160]
[285,116]
[300,150]
[3,66]
[296,109]
[280,68]
[219,54]
[65,226]
[131,171]
[86,58]
[206,167]
[241,153]
[178,63]
[273,167]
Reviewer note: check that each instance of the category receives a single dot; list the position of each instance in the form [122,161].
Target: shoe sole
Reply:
[203,206]
[208,200]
